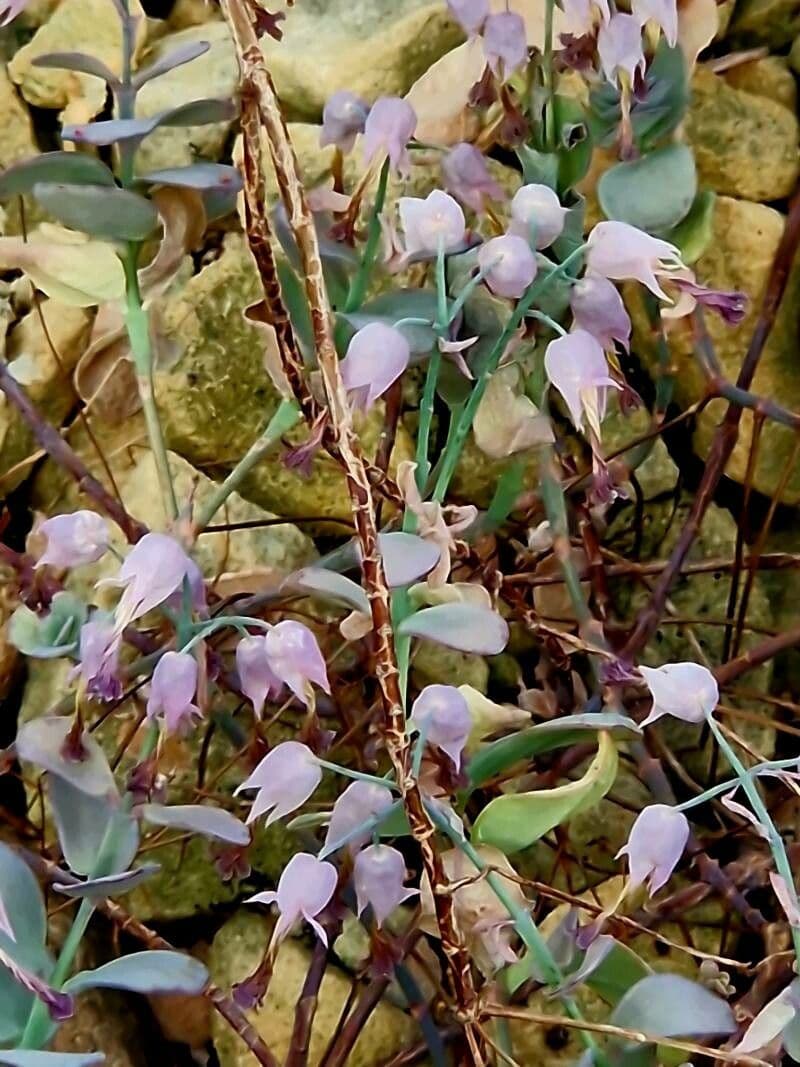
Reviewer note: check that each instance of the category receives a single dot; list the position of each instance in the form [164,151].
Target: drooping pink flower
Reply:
[376,357]
[305,888]
[576,366]
[378,875]
[598,308]
[9,9]
[663,13]
[619,46]
[358,804]
[98,663]
[430,224]
[730,305]
[295,657]
[467,176]
[257,680]
[471,14]
[172,692]
[343,119]
[153,570]
[505,43]
[508,265]
[72,539]
[621,252]
[442,716]
[389,127]
[581,17]
[655,845]
[687,691]
[285,778]
[537,215]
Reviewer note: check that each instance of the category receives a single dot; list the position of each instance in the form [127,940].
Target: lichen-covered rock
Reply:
[432,663]
[45,376]
[74,26]
[17,139]
[237,950]
[771,22]
[739,256]
[769,76]
[745,145]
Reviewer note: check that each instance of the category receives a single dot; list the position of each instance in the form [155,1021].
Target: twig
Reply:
[306,1007]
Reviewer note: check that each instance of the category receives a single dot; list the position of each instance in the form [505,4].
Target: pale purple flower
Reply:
[378,875]
[358,804]
[730,305]
[621,252]
[508,265]
[376,357]
[98,665]
[153,570]
[343,119]
[304,890]
[285,778]
[537,215]
[655,845]
[467,176]
[686,691]
[295,657]
[79,537]
[664,13]
[9,9]
[172,692]
[389,127]
[435,223]
[576,366]
[597,307]
[257,679]
[582,16]
[442,716]
[471,14]
[619,46]
[505,43]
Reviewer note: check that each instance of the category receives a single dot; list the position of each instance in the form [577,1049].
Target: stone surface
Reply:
[769,77]
[730,129]
[739,256]
[17,140]
[771,22]
[236,951]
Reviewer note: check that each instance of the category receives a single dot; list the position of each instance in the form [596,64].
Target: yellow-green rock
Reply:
[769,76]
[745,146]
[237,950]
[17,140]
[771,22]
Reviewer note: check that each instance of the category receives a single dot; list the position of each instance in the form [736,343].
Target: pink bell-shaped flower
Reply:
[619,46]
[153,570]
[389,127]
[581,17]
[376,357]
[172,692]
[471,14]
[467,176]
[508,265]
[661,13]
[285,779]
[621,252]
[257,680]
[686,691]
[343,119]
[79,537]
[505,43]
[9,9]
[442,716]
[98,663]
[295,657]
[304,890]
[576,366]
[598,308]
[437,222]
[378,875]
[655,845]
[358,804]
[537,215]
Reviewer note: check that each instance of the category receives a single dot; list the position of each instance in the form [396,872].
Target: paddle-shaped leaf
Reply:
[73,167]
[330,586]
[198,819]
[48,636]
[203,176]
[85,828]
[80,62]
[654,192]
[145,972]
[390,308]
[110,886]
[668,1005]
[406,557]
[113,131]
[100,210]
[515,821]
[43,742]
[22,899]
[176,58]
[29,1058]
[466,627]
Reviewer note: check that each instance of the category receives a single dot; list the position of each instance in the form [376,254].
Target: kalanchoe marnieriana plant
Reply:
[508,327]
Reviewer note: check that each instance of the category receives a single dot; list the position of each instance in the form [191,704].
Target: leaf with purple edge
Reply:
[43,741]
[30,1058]
[465,627]
[176,58]
[201,176]
[111,885]
[114,131]
[99,210]
[73,167]
[199,819]
[145,972]
[79,62]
